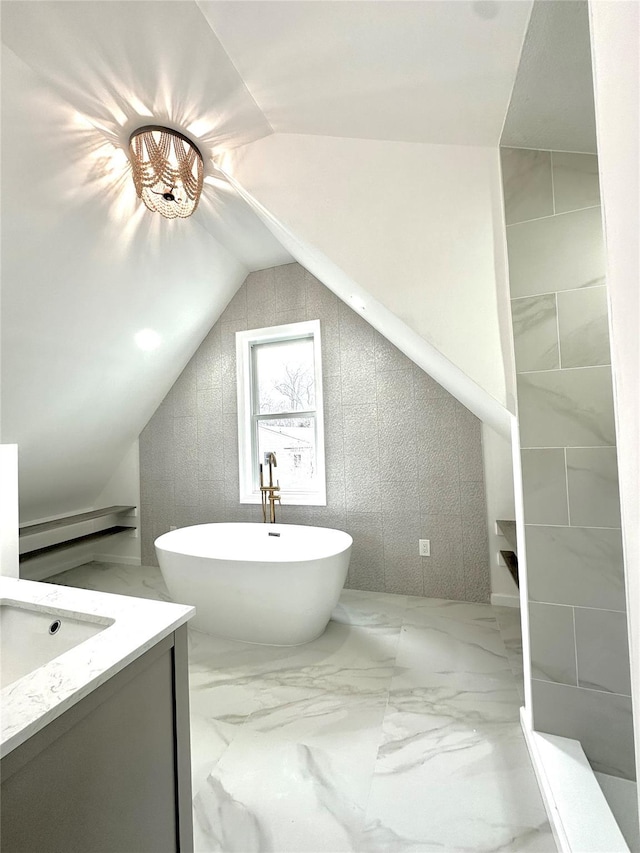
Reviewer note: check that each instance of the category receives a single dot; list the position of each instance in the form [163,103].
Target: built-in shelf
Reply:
[508,529]
[44,526]
[63,546]
[511,561]
[50,536]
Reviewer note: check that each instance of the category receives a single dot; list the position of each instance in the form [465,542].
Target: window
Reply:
[280,411]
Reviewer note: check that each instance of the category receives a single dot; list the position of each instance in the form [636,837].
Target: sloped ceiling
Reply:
[85,266]
[439,71]
[552,103]
[434,282]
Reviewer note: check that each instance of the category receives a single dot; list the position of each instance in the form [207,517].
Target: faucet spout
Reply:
[269,493]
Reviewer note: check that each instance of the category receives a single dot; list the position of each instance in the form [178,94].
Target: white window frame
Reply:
[247,421]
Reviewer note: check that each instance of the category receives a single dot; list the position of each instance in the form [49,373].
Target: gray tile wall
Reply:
[404,458]
[578,630]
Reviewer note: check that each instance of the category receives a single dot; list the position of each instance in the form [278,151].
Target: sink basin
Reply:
[32,637]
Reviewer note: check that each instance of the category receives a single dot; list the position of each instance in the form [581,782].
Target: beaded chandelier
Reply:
[167,170]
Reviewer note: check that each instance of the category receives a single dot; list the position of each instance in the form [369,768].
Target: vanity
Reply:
[95,751]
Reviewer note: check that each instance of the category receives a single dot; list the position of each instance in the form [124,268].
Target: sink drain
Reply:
[55,626]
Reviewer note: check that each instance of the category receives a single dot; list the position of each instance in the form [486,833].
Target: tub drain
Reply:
[55,626]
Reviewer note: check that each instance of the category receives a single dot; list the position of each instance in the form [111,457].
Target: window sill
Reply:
[290,499]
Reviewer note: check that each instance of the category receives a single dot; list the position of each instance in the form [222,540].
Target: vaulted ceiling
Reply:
[85,266]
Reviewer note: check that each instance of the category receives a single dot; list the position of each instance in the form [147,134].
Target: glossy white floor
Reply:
[397,730]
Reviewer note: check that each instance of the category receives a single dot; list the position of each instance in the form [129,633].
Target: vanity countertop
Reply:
[33,701]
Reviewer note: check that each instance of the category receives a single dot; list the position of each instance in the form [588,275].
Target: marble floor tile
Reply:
[474,791]
[139,581]
[420,612]
[428,700]
[269,795]
[510,626]
[209,741]
[397,729]
[371,609]
[450,646]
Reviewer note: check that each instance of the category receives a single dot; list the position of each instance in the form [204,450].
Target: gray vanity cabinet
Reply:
[113,773]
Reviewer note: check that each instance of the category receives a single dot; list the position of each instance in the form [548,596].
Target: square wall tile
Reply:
[475,557]
[389,357]
[469,435]
[594,498]
[366,567]
[443,571]
[399,496]
[261,299]
[395,387]
[558,253]
[208,373]
[425,388]
[322,304]
[438,492]
[402,562]
[475,543]
[602,722]
[602,642]
[566,408]
[291,289]
[360,424]
[535,332]
[544,483]
[362,488]
[184,391]
[575,565]
[357,368]
[526,183]
[583,320]
[355,333]
[237,307]
[553,652]
[575,181]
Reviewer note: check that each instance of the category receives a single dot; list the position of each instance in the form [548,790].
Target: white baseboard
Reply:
[501,600]
[117,558]
[580,817]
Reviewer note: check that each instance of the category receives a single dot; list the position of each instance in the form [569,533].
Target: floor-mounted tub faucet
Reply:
[269,492]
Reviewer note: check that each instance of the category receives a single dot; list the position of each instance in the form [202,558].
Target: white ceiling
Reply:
[85,266]
[437,71]
[113,66]
[552,103]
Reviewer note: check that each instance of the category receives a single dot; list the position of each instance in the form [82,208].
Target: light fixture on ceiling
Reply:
[167,170]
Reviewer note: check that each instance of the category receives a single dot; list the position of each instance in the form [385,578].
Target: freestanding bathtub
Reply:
[274,584]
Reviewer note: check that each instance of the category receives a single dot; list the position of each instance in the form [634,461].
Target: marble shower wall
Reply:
[579,642]
[404,458]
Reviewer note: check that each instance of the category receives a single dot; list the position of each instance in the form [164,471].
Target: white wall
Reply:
[412,226]
[615,35]
[9,510]
[123,489]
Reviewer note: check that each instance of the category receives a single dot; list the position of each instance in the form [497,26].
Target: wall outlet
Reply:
[424,547]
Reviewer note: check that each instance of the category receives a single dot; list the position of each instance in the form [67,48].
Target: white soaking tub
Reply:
[273,584]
